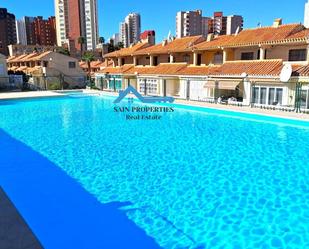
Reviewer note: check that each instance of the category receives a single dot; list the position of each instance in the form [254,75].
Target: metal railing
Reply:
[41,83]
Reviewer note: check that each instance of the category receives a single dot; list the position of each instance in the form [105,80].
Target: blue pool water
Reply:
[194,179]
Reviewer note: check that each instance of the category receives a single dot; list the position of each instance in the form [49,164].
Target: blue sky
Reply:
[160,14]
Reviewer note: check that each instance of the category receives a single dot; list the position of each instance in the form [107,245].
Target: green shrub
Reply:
[54,86]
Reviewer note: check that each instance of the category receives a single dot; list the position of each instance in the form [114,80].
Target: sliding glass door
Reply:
[271,96]
[267,95]
[263,93]
[279,96]
[256,91]
[304,99]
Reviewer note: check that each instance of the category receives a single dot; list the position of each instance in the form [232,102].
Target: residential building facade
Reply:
[130,29]
[36,31]
[148,36]
[7,30]
[244,68]
[234,24]
[44,31]
[21,34]
[25,31]
[224,25]
[306,16]
[114,40]
[3,71]
[75,19]
[48,67]
[191,23]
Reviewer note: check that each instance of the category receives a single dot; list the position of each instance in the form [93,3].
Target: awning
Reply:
[223,85]
[33,69]
[22,68]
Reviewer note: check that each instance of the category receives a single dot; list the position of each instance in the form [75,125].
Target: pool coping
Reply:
[234,109]
[16,233]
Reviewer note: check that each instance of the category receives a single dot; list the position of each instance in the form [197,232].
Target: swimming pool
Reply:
[192,179]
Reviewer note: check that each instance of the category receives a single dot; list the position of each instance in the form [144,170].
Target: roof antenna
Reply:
[169,36]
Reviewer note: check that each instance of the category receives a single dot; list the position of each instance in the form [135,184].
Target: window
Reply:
[151,86]
[199,59]
[72,64]
[279,93]
[186,58]
[271,96]
[263,92]
[247,56]
[218,58]
[297,55]
[45,63]
[155,60]
[122,61]
[267,95]
[304,99]
[256,91]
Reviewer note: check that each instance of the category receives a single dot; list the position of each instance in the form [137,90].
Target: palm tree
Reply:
[120,45]
[88,57]
[101,40]
[81,40]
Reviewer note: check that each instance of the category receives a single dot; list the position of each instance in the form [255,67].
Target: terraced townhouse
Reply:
[245,69]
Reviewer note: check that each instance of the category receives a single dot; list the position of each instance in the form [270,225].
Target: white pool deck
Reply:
[243,109]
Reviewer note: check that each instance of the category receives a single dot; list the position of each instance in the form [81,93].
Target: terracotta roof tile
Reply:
[264,35]
[16,58]
[29,57]
[165,69]
[300,70]
[93,64]
[41,55]
[177,45]
[252,68]
[116,70]
[233,68]
[199,70]
[127,51]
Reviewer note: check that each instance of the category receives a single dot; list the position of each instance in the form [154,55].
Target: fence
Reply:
[23,82]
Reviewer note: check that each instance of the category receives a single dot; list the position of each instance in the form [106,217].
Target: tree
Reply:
[101,40]
[88,57]
[110,47]
[81,40]
[120,45]
[64,51]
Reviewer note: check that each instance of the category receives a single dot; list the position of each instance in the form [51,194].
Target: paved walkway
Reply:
[32,94]
[14,232]
[245,109]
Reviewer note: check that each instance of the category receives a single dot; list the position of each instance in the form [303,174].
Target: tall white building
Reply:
[75,19]
[306,18]
[191,23]
[130,29]
[21,32]
[234,23]
[91,23]
[62,23]
[114,39]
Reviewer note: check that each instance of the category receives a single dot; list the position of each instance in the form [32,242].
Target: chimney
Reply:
[164,42]
[210,37]
[277,22]
[148,36]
